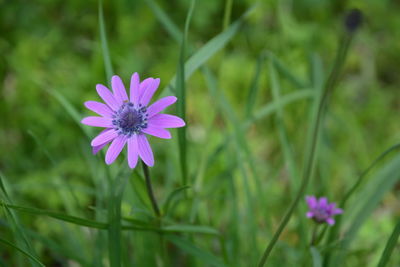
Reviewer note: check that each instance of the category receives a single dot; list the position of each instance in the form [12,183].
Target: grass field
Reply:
[281,101]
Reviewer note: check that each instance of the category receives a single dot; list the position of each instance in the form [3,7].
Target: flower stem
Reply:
[310,155]
[314,235]
[150,192]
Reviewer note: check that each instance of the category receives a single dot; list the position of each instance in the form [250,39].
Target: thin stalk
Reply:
[310,156]
[314,236]
[227,14]
[150,192]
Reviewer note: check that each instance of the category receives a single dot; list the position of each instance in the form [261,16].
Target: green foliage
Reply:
[249,78]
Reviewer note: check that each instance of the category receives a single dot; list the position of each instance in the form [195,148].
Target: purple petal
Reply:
[96,149]
[107,97]
[310,214]
[157,132]
[134,89]
[311,202]
[323,202]
[160,105]
[115,148]
[337,211]
[145,152]
[98,121]
[144,85]
[99,108]
[133,152]
[119,90]
[149,92]
[166,121]
[330,221]
[104,137]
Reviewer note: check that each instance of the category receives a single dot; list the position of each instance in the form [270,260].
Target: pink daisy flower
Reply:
[128,121]
[321,211]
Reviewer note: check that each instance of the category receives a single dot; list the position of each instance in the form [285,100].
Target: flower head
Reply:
[129,120]
[321,211]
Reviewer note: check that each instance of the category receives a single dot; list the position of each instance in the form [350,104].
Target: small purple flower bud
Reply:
[353,20]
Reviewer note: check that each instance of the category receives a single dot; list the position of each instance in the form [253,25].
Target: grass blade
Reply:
[58,216]
[390,245]
[165,21]
[104,44]
[30,256]
[254,86]
[195,251]
[181,95]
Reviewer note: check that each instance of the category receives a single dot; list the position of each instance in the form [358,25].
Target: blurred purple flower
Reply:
[128,120]
[321,211]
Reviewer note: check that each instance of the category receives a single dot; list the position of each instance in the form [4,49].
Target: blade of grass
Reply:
[181,95]
[203,255]
[390,245]
[104,44]
[30,256]
[57,215]
[173,195]
[165,21]
[208,50]
[369,198]
[316,257]
[333,234]
[254,86]
[16,226]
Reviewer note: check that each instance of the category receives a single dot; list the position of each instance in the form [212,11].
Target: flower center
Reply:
[321,214]
[129,120]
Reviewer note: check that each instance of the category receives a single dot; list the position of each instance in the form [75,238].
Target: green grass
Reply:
[249,78]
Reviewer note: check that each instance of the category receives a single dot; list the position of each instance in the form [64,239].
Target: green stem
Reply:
[150,192]
[314,236]
[310,156]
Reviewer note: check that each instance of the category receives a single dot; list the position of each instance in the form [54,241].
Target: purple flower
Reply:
[322,211]
[129,120]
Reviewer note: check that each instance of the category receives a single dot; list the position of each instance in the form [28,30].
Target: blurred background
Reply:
[242,182]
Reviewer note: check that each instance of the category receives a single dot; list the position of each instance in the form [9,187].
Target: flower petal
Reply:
[330,221]
[160,105]
[157,132]
[143,86]
[134,89]
[107,97]
[115,149]
[99,108]
[145,152]
[133,151]
[104,137]
[337,211]
[311,202]
[149,92]
[310,214]
[118,89]
[323,202]
[96,149]
[166,121]
[98,121]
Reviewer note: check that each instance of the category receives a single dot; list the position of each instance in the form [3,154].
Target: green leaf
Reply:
[174,194]
[58,216]
[181,95]
[390,245]
[208,50]
[316,257]
[187,228]
[104,45]
[195,251]
[165,21]
[22,251]
[254,86]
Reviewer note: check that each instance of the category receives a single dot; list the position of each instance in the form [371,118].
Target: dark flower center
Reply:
[321,214]
[129,120]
